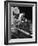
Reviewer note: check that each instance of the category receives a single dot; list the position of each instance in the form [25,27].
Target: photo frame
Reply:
[21,34]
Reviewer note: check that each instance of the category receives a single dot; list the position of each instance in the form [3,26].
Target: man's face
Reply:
[16,10]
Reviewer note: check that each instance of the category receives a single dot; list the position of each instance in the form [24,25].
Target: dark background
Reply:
[27,11]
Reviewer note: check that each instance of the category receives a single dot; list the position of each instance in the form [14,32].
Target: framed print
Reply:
[20,22]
